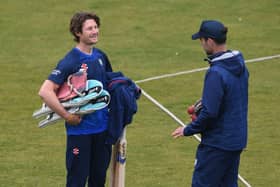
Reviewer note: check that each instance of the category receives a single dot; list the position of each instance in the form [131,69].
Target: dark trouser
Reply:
[87,160]
[215,167]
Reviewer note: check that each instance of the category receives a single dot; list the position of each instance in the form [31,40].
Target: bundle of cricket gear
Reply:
[78,96]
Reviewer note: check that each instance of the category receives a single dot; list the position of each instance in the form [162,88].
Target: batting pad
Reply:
[93,89]
[98,103]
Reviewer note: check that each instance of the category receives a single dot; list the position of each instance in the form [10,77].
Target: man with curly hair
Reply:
[87,154]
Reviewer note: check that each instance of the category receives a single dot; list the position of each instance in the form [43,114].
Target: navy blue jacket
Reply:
[222,121]
[123,105]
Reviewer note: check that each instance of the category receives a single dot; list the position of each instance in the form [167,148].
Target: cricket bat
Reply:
[118,161]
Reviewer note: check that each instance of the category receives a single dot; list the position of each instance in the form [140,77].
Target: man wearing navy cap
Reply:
[222,121]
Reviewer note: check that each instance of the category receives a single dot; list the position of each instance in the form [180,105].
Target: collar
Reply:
[220,56]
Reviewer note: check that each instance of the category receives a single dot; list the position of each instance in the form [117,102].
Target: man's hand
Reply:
[178,132]
[73,119]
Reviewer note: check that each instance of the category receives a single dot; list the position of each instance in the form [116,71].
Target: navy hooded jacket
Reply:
[124,93]
[222,121]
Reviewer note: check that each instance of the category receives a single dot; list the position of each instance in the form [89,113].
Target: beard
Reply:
[209,52]
[90,42]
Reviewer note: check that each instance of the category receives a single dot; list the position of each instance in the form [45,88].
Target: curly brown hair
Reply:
[77,21]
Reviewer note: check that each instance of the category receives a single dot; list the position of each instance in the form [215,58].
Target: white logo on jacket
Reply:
[100,62]
[56,72]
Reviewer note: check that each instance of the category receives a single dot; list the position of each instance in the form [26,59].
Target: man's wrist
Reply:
[185,131]
[69,117]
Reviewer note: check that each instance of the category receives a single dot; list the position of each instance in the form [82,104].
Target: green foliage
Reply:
[143,39]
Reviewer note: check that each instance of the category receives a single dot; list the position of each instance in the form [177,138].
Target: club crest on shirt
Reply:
[84,67]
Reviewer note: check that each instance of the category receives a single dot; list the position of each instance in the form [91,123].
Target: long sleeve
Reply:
[211,100]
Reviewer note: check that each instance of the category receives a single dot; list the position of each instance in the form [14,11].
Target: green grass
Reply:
[141,38]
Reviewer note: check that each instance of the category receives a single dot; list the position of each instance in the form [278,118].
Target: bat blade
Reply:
[118,162]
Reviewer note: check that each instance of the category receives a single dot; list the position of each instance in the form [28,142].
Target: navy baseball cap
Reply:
[210,29]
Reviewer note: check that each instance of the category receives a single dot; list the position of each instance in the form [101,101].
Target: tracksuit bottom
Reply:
[87,160]
[215,167]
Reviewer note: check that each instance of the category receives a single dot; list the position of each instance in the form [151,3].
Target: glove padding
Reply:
[195,109]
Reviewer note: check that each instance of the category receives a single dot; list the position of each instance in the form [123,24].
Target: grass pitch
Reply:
[143,39]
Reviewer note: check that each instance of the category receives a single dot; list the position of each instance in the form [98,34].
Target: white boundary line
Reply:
[171,75]
[201,69]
